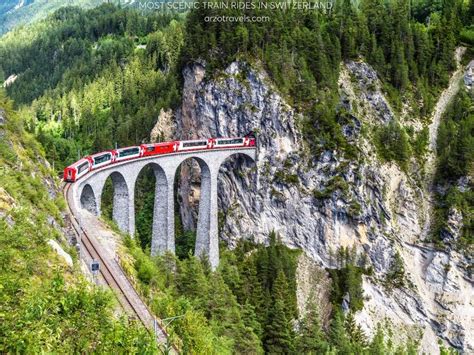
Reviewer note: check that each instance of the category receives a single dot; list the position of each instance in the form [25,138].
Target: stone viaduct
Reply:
[87,194]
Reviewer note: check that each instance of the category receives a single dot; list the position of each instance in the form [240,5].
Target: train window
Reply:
[127,152]
[194,144]
[102,158]
[230,141]
[82,167]
[150,148]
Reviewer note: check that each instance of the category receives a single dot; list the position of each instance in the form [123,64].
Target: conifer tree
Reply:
[311,339]
[278,331]
[282,292]
[377,345]
[338,337]
[356,335]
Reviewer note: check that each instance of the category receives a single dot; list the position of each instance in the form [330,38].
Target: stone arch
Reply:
[163,211]
[206,240]
[236,177]
[234,156]
[120,203]
[88,200]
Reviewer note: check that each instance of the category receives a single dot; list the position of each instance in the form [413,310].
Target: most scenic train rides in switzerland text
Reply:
[80,168]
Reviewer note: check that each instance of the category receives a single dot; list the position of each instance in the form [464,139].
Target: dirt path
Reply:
[430,166]
[445,98]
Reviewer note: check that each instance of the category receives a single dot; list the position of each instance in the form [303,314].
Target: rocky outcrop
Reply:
[325,202]
[60,251]
[313,289]
[2,117]
[164,129]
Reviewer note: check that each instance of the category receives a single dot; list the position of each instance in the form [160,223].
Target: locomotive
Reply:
[80,168]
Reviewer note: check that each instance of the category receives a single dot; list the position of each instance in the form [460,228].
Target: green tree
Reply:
[338,337]
[278,331]
[356,335]
[311,338]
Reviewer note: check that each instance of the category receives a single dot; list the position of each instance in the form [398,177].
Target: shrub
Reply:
[392,143]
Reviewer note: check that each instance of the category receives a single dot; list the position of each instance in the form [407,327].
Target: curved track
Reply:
[107,272]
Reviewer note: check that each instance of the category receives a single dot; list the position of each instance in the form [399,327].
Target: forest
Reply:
[455,162]
[46,306]
[249,304]
[90,80]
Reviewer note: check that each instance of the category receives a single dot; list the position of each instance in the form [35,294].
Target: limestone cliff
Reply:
[320,203]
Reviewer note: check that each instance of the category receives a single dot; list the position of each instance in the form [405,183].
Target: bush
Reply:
[467,35]
[396,275]
[392,143]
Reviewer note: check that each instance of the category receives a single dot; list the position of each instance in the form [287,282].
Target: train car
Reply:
[77,170]
[100,159]
[251,139]
[230,142]
[158,148]
[247,141]
[197,144]
[126,153]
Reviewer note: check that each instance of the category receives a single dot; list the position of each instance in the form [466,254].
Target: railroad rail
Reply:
[106,271]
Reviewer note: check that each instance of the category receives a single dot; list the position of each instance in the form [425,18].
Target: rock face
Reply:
[2,117]
[164,127]
[322,203]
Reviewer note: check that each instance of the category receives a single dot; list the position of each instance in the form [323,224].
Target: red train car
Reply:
[158,148]
[75,171]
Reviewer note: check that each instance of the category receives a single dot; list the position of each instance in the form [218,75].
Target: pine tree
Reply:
[377,345]
[356,334]
[396,274]
[311,339]
[252,290]
[278,332]
[338,337]
[281,291]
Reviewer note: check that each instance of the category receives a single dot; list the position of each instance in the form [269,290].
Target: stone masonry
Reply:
[88,192]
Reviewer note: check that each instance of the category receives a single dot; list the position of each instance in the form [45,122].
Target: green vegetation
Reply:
[245,306]
[46,306]
[337,183]
[302,52]
[101,88]
[455,150]
[398,144]
[249,304]
[396,275]
[89,80]
[347,279]
[33,10]
[392,143]
[285,177]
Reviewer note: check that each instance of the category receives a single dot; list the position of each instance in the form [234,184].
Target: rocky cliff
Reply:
[325,202]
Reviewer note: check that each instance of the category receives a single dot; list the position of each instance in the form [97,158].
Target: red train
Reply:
[80,168]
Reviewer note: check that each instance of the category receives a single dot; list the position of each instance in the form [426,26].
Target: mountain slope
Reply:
[374,207]
[341,105]
[21,12]
[45,301]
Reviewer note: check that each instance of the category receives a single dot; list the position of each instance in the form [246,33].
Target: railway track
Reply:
[107,272]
